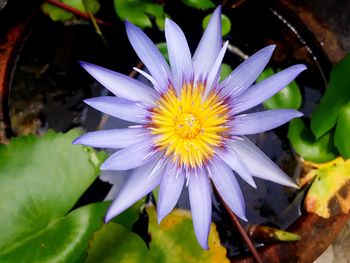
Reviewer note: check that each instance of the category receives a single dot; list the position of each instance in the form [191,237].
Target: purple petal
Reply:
[138,184]
[120,108]
[150,56]
[247,72]
[263,90]
[120,85]
[231,158]
[258,163]
[114,139]
[200,202]
[179,54]
[170,190]
[261,121]
[228,187]
[208,47]
[131,157]
[215,70]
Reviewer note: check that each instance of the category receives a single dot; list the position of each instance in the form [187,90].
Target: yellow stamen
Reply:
[189,127]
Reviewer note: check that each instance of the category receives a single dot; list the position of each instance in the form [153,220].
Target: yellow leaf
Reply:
[174,241]
[329,194]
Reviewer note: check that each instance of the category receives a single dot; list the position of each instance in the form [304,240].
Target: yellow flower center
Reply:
[189,127]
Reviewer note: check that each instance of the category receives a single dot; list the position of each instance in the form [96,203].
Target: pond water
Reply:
[48,88]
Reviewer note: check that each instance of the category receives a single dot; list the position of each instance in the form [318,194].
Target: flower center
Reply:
[189,127]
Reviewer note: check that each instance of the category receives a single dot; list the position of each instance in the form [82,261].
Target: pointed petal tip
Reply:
[159,218]
[294,185]
[299,68]
[243,217]
[252,183]
[299,114]
[271,47]
[204,246]
[76,140]
[87,101]
[107,218]
[218,9]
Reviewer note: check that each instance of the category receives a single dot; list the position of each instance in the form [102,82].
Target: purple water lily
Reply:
[190,129]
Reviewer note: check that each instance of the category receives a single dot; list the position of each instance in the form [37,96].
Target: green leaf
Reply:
[329,193]
[337,95]
[115,243]
[41,178]
[59,14]
[140,12]
[305,144]
[199,4]
[342,132]
[288,98]
[225,24]
[225,71]
[66,240]
[174,241]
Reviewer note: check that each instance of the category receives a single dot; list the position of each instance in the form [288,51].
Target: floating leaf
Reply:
[199,4]
[173,240]
[337,95]
[41,178]
[288,98]
[263,234]
[225,24]
[342,132]
[305,144]
[329,193]
[115,243]
[64,241]
[59,14]
[140,12]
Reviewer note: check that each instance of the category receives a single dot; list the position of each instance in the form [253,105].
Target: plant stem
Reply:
[77,12]
[94,22]
[240,229]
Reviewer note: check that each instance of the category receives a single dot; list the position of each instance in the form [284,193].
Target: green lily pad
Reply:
[199,4]
[64,241]
[140,12]
[304,143]
[225,24]
[174,241]
[337,95]
[342,132]
[115,243]
[329,193]
[287,98]
[41,179]
[59,14]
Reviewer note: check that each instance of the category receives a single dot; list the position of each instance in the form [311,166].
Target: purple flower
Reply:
[190,125]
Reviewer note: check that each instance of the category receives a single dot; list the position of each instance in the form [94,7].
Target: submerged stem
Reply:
[77,12]
[94,23]
[240,229]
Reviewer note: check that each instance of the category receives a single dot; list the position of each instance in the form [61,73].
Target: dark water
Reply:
[48,88]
